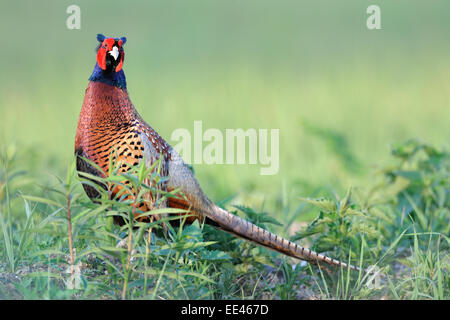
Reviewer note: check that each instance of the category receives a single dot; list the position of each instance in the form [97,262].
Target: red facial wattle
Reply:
[121,57]
[107,46]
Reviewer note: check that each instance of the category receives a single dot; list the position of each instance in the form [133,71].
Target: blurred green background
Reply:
[338,92]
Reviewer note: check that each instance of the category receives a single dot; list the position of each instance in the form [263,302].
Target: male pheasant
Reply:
[109,122]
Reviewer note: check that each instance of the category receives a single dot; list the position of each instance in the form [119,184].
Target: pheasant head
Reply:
[110,53]
[110,56]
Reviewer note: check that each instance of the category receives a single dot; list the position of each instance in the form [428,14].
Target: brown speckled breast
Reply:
[109,124]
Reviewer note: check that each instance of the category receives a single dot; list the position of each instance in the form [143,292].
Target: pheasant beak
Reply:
[114,52]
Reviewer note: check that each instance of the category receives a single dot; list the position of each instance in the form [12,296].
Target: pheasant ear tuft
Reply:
[100,37]
[124,39]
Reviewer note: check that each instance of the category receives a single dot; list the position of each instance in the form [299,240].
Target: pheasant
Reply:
[109,122]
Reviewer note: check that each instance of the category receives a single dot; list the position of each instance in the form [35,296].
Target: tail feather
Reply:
[242,228]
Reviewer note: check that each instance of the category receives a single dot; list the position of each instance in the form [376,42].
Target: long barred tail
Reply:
[242,228]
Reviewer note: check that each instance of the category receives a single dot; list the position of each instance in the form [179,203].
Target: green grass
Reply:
[377,225]
[342,97]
